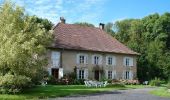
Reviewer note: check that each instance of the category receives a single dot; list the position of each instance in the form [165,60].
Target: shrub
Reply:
[155,82]
[168,85]
[51,80]
[13,83]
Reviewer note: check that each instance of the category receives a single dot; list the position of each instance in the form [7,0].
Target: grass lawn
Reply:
[163,92]
[52,91]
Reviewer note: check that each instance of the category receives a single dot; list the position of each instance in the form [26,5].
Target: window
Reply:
[128,61]
[110,60]
[81,74]
[81,59]
[96,59]
[128,74]
[109,74]
[55,57]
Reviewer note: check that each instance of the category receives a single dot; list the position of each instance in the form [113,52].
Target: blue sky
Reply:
[93,11]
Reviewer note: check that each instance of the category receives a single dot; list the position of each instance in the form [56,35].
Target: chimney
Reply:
[62,20]
[101,26]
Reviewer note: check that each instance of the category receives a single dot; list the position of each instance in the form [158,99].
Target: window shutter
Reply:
[106,74]
[60,73]
[123,75]
[131,75]
[131,61]
[100,60]
[106,60]
[77,58]
[113,60]
[124,61]
[86,74]
[86,59]
[77,72]
[114,75]
[49,71]
[92,59]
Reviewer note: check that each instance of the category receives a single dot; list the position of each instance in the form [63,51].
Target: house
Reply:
[91,51]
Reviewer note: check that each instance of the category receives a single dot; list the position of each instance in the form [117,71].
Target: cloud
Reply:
[72,10]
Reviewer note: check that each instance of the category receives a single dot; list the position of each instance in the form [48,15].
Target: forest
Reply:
[149,36]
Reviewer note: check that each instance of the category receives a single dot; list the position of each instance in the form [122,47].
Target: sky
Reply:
[93,11]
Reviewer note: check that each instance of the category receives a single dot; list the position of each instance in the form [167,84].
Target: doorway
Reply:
[96,75]
[55,72]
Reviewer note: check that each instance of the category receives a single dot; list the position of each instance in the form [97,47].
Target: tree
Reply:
[150,37]
[109,29]
[23,43]
[45,22]
[84,24]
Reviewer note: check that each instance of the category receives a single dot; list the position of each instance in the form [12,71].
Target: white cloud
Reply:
[73,10]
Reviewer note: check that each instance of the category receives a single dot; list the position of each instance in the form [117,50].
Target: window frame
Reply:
[82,58]
[128,61]
[81,74]
[110,60]
[96,59]
[110,74]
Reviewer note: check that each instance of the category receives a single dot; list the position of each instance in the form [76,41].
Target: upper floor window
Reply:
[55,57]
[128,61]
[110,60]
[96,59]
[82,59]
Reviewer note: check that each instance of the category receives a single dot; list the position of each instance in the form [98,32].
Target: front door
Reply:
[55,72]
[96,75]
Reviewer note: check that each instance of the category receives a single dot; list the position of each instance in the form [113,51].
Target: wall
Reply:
[69,62]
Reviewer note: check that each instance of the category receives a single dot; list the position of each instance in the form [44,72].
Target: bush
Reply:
[168,85]
[155,82]
[13,83]
[51,80]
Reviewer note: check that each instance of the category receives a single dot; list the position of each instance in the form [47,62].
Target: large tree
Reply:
[150,37]
[23,42]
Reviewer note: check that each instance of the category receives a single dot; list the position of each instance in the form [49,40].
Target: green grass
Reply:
[52,91]
[162,92]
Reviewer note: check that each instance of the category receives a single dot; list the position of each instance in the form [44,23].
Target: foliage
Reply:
[168,85]
[149,36]
[155,82]
[109,29]
[84,24]
[23,44]
[13,83]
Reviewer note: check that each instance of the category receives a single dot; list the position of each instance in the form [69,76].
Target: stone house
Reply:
[91,51]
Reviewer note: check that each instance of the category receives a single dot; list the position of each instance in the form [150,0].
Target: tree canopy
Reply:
[23,42]
[84,24]
[149,36]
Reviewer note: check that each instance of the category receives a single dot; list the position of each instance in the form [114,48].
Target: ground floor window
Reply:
[127,74]
[109,74]
[81,74]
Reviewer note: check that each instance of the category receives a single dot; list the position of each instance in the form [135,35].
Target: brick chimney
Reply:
[101,26]
[62,20]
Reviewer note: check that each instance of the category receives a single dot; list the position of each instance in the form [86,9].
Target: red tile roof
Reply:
[76,37]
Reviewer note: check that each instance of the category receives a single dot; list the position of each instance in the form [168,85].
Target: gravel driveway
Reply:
[133,94]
